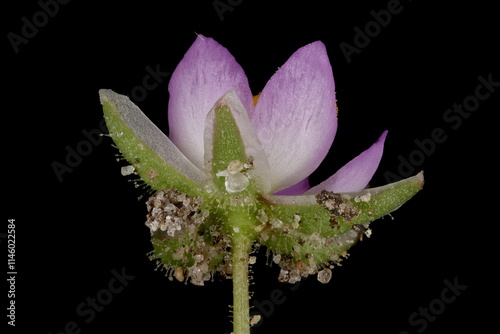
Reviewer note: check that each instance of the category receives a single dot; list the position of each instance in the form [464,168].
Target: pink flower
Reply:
[294,119]
[237,171]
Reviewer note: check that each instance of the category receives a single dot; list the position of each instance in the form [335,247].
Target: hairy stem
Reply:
[241,297]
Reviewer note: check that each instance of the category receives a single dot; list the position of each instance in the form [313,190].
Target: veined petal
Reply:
[355,175]
[230,136]
[206,72]
[295,117]
[154,157]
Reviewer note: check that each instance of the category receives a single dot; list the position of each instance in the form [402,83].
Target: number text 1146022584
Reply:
[11,271]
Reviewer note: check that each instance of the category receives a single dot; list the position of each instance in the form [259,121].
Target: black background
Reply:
[72,233]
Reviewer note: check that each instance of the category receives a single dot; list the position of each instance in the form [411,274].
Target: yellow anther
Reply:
[256,98]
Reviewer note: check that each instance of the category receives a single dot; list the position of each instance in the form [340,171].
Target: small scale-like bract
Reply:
[363,198]
[176,221]
[172,213]
[179,274]
[152,173]
[337,205]
[127,170]
[311,251]
[255,319]
[325,275]
[234,167]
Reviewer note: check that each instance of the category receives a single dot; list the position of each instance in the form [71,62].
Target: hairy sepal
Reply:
[307,233]
[149,151]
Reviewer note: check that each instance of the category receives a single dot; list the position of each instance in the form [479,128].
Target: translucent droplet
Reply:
[236,183]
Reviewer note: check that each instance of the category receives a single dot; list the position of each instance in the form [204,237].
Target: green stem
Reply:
[241,298]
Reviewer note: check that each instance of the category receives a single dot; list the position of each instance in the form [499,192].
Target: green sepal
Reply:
[236,159]
[154,170]
[384,200]
[312,231]
[227,143]
[228,137]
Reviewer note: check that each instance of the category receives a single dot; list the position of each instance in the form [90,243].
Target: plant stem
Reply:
[241,298]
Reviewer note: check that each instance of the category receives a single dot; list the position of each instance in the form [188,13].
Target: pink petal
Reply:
[296,189]
[355,175]
[206,72]
[295,117]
